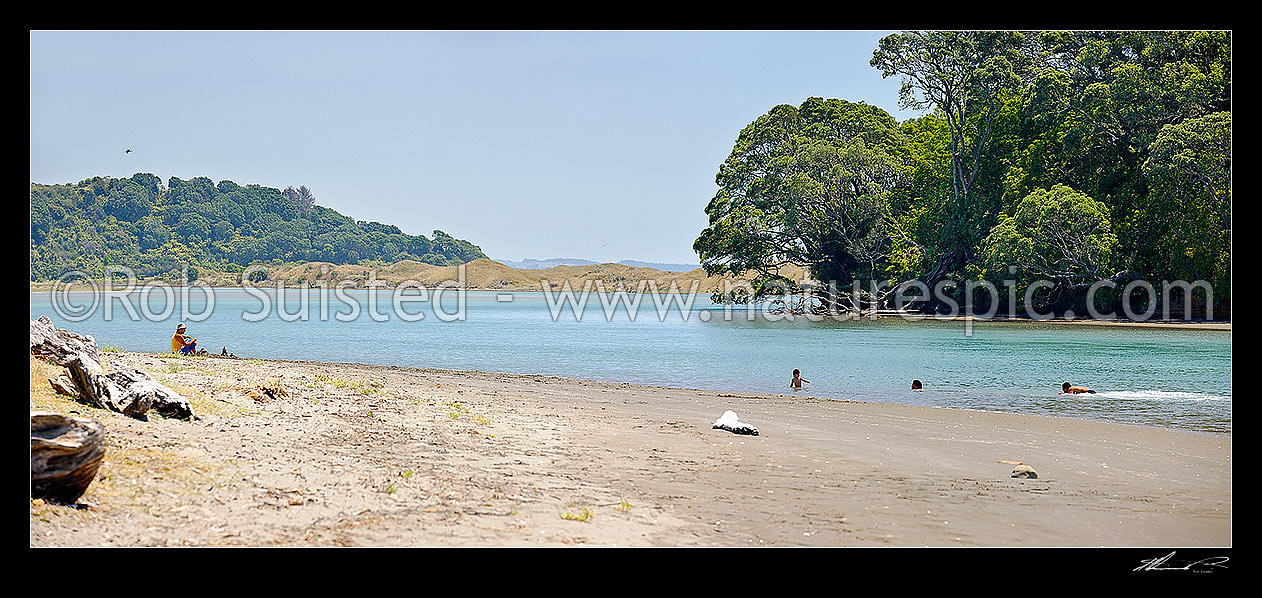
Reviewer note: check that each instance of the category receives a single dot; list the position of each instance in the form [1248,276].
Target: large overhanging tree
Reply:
[1136,124]
[806,186]
[963,76]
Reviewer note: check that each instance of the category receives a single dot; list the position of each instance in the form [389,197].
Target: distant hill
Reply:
[482,274]
[534,264]
[158,229]
[669,267]
[485,274]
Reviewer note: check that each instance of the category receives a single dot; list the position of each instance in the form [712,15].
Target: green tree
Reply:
[129,203]
[151,233]
[807,186]
[964,76]
[455,249]
[222,231]
[1113,93]
[192,227]
[1059,235]
[1189,172]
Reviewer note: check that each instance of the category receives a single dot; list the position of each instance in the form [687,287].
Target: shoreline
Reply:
[363,455]
[719,392]
[1193,324]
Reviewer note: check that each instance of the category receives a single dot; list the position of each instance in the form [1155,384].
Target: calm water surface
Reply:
[1149,376]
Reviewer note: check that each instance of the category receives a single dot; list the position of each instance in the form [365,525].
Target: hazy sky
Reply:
[599,145]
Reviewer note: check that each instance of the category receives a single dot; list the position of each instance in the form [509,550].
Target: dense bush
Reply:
[154,229]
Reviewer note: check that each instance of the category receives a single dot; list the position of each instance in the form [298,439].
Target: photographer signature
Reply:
[1157,564]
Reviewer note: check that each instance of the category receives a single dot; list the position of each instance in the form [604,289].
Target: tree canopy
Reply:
[1059,235]
[1068,156]
[154,229]
[805,185]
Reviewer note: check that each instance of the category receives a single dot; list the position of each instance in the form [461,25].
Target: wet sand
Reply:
[355,455]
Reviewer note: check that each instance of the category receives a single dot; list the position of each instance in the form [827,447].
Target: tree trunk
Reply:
[943,266]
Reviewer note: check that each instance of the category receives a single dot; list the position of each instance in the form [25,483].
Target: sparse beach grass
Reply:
[580,513]
[43,397]
[363,387]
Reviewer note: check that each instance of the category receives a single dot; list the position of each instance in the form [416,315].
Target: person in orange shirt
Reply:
[183,343]
[1066,389]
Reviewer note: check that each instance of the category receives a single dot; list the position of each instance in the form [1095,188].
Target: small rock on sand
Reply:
[1024,471]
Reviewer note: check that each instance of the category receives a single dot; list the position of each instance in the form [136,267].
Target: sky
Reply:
[600,145]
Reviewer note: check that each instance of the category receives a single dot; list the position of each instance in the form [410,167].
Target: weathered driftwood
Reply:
[128,391]
[59,345]
[64,385]
[65,455]
[100,390]
[140,387]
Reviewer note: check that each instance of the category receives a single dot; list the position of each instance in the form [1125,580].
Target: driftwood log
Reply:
[140,388]
[58,345]
[95,388]
[128,391]
[65,455]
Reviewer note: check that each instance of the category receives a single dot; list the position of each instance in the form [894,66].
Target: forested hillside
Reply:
[1066,157]
[157,229]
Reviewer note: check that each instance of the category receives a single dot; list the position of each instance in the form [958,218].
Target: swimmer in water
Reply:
[915,385]
[798,380]
[1066,389]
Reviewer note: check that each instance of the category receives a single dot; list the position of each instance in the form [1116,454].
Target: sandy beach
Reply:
[286,453]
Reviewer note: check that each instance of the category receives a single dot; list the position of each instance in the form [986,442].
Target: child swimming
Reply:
[1066,389]
[798,380]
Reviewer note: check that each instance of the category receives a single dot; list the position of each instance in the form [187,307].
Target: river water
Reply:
[1176,378]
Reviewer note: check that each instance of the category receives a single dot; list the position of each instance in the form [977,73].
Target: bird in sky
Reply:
[128,151]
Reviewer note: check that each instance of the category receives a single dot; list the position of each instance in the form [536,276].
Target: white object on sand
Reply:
[732,424]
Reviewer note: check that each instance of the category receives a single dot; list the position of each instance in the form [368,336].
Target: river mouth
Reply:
[1167,377]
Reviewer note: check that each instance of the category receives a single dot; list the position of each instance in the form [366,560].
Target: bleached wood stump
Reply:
[65,455]
[58,345]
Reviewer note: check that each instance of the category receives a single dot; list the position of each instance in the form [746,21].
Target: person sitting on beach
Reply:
[916,385]
[182,343]
[798,380]
[1066,389]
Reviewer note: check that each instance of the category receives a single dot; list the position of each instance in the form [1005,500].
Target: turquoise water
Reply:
[1149,376]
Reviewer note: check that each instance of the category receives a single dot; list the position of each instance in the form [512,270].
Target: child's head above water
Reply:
[797,373]
[1064,386]
[915,385]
